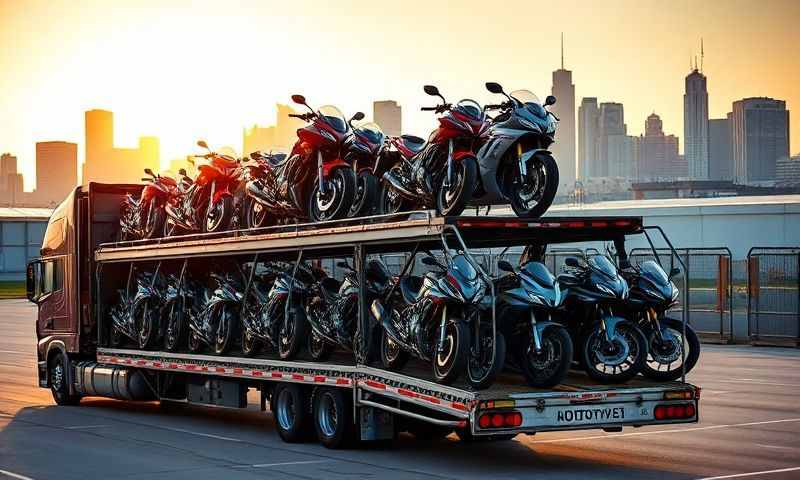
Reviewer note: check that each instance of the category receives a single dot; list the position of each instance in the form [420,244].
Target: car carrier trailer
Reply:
[344,399]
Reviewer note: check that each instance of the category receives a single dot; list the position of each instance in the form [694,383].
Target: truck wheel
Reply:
[59,382]
[318,348]
[290,408]
[333,418]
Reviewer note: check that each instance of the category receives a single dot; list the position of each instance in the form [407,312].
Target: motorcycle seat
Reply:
[413,143]
[410,287]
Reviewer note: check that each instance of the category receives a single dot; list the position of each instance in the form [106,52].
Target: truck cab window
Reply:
[52,276]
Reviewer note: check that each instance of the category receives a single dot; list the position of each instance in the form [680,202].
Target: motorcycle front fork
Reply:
[322,185]
[537,340]
[449,179]
[523,169]
[442,331]
[652,318]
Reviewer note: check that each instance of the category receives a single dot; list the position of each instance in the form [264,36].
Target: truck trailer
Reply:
[340,401]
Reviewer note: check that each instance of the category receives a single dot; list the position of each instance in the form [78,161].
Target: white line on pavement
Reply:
[266,465]
[14,475]
[218,437]
[655,432]
[777,447]
[16,352]
[81,427]
[759,382]
[752,474]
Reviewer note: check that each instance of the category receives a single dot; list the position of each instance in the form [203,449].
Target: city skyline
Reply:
[150,72]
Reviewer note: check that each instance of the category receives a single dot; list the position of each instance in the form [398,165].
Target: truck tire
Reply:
[333,418]
[59,381]
[290,408]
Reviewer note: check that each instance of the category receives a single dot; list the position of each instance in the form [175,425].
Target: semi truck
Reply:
[340,401]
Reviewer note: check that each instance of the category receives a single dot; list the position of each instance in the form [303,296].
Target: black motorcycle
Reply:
[216,322]
[513,161]
[612,349]
[363,146]
[272,312]
[136,316]
[332,307]
[652,295]
[182,300]
[527,300]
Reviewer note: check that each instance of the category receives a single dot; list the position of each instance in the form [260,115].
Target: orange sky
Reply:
[183,70]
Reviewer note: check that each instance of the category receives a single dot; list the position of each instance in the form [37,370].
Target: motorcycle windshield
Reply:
[470,108]
[333,117]
[371,132]
[228,153]
[539,273]
[525,97]
[653,271]
[602,264]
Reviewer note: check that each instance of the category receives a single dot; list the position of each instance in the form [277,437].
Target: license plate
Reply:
[575,415]
[591,415]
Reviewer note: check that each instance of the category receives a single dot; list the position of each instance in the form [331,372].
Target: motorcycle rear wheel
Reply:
[452,200]
[392,202]
[532,201]
[366,195]
[219,216]
[549,367]
[174,331]
[146,321]
[337,201]
[256,215]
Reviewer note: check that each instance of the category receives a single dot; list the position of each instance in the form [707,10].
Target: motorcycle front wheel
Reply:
[616,361]
[483,367]
[450,362]
[532,196]
[452,198]
[154,222]
[548,367]
[256,215]
[366,195]
[392,202]
[318,348]
[664,355]
[335,203]
[145,322]
[393,357]
[174,329]
[227,323]
[250,343]
[219,215]
[292,333]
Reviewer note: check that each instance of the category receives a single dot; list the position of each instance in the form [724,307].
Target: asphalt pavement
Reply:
[749,428]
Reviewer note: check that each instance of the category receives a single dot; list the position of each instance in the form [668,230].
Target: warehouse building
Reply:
[21,234]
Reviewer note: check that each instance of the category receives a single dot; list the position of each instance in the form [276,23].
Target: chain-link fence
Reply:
[773,287]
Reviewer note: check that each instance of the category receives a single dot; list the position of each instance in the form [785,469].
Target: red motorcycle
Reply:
[143,218]
[313,182]
[207,204]
[363,146]
[441,173]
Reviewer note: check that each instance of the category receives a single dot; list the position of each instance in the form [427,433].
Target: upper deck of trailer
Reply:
[388,232]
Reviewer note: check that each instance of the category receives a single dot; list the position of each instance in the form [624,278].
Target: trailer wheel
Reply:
[291,411]
[59,381]
[333,418]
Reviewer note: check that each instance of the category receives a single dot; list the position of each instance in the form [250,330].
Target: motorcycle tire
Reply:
[146,325]
[551,366]
[692,342]
[478,376]
[366,195]
[116,337]
[218,217]
[195,343]
[154,221]
[547,171]
[391,202]
[251,344]
[393,357]
[174,330]
[452,202]
[447,368]
[634,339]
[318,348]
[170,229]
[227,324]
[256,215]
[343,183]
[290,340]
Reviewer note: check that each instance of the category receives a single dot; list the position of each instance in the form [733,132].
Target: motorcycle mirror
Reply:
[674,272]
[358,116]
[433,91]
[202,144]
[550,100]
[149,172]
[299,99]
[190,161]
[494,87]
[571,262]
[505,266]
[182,171]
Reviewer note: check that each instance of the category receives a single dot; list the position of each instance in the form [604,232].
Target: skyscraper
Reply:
[611,124]
[8,166]
[389,116]
[695,124]
[564,146]
[104,162]
[278,138]
[658,153]
[588,131]
[56,171]
[720,158]
[760,137]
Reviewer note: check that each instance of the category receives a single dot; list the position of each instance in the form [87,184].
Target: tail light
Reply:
[679,411]
[492,420]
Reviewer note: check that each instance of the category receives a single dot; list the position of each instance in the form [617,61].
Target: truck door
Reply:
[51,297]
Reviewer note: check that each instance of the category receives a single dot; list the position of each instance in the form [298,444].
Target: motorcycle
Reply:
[430,319]
[527,300]
[268,315]
[143,217]
[332,307]
[652,294]
[216,320]
[513,161]
[612,349]
[363,147]
[207,203]
[293,186]
[136,316]
[442,172]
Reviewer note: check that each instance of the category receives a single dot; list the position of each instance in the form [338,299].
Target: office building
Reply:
[588,132]
[56,171]
[389,116]
[564,147]
[658,153]
[695,125]
[106,163]
[759,138]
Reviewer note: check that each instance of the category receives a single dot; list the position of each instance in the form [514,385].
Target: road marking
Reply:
[777,447]
[266,465]
[751,474]
[759,382]
[655,432]
[81,427]
[209,435]
[16,352]
[14,475]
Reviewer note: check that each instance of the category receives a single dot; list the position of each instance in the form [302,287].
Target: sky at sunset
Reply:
[188,70]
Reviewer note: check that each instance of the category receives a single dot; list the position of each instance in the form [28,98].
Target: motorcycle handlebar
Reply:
[429,109]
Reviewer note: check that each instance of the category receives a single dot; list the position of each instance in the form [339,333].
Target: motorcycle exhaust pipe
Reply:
[398,187]
[257,193]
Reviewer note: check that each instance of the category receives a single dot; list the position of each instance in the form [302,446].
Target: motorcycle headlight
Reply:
[533,126]
[605,289]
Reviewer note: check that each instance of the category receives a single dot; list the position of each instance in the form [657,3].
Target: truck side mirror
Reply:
[33,280]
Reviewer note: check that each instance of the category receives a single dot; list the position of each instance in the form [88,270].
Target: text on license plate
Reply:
[580,415]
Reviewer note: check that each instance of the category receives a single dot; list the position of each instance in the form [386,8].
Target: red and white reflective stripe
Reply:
[419,397]
[230,371]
